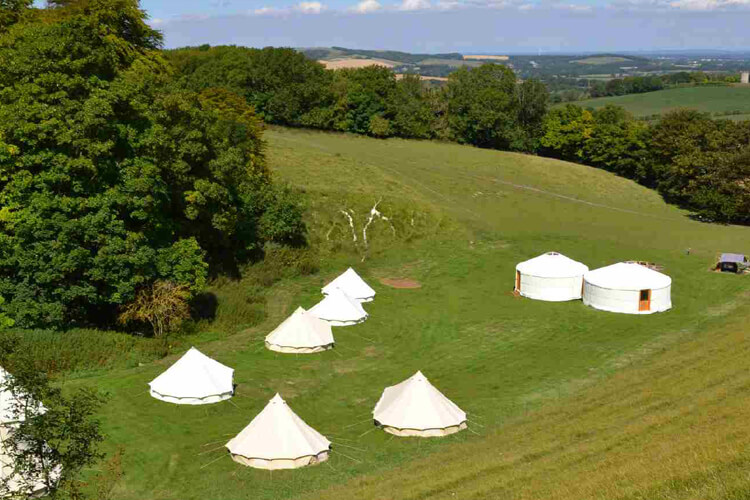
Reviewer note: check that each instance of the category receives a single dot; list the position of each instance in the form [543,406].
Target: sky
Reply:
[483,26]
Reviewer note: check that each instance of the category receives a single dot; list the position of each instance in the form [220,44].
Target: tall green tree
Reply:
[487,108]
[110,179]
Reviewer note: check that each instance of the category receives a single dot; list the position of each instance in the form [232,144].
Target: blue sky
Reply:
[458,25]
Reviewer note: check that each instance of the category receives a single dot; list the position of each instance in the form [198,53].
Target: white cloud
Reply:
[310,7]
[415,5]
[268,11]
[367,6]
[708,4]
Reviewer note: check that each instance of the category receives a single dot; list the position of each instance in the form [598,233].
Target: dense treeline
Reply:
[692,160]
[485,106]
[113,179]
[641,84]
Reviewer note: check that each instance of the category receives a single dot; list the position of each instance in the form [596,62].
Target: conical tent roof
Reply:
[194,379]
[416,404]
[339,309]
[627,276]
[277,433]
[301,330]
[352,284]
[552,265]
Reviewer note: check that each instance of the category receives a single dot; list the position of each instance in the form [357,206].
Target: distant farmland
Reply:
[353,62]
[720,101]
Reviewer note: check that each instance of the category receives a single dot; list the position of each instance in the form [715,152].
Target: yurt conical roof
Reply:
[627,276]
[339,309]
[194,379]
[301,332]
[416,407]
[352,284]
[278,439]
[552,265]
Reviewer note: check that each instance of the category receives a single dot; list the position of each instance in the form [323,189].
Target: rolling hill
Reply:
[563,401]
[729,102]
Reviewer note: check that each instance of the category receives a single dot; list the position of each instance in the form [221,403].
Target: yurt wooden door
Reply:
[518,281]
[645,301]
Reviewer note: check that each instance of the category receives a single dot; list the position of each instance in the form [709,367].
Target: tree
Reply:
[12,11]
[485,108]
[617,143]
[409,110]
[54,436]
[164,306]
[566,130]
[110,178]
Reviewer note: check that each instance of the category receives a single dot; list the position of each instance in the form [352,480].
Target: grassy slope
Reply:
[497,356]
[707,99]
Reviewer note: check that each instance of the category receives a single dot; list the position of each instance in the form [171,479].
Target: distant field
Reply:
[480,57]
[706,99]
[352,62]
[453,63]
[601,60]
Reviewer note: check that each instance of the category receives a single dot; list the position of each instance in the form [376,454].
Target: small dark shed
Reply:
[732,263]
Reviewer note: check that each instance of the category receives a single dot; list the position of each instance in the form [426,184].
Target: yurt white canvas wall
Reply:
[278,439]
[552,277]
[628,288]
[301,333]
[194,379]
[339,309]
[416,408]
[353,285]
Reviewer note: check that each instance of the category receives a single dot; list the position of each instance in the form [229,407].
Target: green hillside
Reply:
[718,100]
[555,391]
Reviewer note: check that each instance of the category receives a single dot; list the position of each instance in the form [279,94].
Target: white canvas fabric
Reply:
[617,288]
[15,486]
[301,333]
[10,410]
[416,408]
[339,309]
[278,439]
[194,379]
[353,285]
[552,277]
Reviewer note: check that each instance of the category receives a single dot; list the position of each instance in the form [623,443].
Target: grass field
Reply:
[563,401]
[707,99]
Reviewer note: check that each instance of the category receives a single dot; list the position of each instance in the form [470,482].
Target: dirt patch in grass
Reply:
[401,283]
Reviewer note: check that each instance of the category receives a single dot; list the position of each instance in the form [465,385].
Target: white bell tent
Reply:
[301,333]
[552,277]
[194,379]
[627,287]
[339,309]
[13,406]
[278,439]
[416,408]
[14,485]
[353,285]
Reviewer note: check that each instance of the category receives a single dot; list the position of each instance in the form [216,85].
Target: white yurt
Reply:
[194,379]
[339,309]
[353,285]
[552,277]
[629,288]
[278,439]
[416,408]
[12,405]
[301,333]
